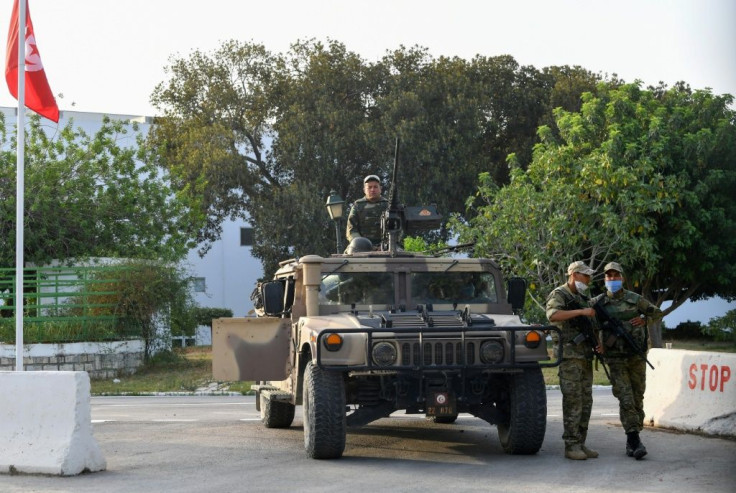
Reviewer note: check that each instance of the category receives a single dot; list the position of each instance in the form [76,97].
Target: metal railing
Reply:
[69,303]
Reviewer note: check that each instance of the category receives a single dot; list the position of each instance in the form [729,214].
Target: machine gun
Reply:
[587,334]
[398,218]
[615,326]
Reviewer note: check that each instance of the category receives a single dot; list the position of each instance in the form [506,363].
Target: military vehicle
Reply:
[353,338]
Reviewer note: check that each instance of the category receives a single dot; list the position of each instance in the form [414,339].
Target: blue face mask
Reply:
[614,286]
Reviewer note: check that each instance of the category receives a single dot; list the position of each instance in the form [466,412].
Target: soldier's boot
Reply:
[589,453]
[575,452]
[634,447]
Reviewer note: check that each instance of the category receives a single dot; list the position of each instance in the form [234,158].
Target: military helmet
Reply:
[360,244]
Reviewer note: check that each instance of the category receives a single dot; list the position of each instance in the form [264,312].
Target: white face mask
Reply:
[581,286]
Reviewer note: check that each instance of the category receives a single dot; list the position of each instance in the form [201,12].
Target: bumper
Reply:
[435,349]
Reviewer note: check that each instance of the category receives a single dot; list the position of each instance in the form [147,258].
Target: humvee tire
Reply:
[522,433]
[324,413]
[276,414]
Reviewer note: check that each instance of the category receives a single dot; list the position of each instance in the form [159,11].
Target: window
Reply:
[199,284]
[452,287]
[359,288]
[246,236]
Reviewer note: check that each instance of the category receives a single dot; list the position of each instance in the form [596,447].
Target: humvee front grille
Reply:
[439,353]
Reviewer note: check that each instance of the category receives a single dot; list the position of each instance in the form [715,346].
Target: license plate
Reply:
[441,404]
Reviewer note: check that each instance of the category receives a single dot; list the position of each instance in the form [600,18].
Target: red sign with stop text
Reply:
[707,377]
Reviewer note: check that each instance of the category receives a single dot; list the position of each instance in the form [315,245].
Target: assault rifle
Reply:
[615,326]
[587,334]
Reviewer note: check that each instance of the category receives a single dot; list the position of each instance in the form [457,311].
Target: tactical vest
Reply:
[623,308]
[365,219]
[562,299]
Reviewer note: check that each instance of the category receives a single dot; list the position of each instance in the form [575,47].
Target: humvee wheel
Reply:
[276,414]
[522,431]
[324,413]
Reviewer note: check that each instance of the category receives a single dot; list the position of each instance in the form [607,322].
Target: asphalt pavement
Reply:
[217,443]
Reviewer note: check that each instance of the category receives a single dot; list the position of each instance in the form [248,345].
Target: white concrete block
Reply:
[691,390]
[45,424]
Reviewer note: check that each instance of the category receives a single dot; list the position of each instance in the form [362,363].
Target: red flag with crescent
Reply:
[38,95]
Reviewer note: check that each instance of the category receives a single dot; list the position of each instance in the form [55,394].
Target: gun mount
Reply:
[400,219]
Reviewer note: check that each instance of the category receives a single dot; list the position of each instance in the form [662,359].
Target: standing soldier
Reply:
[627,366]
[364,219]
[566,305]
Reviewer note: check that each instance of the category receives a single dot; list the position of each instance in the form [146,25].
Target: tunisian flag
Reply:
[38,95]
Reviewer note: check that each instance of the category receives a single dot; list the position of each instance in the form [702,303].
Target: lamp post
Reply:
[334,209]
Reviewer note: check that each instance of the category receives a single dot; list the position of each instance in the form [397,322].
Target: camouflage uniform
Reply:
[628,370]
[576,369]
[365,219]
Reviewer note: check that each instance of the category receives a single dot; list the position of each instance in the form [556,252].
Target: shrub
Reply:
[722,328]
[204,316]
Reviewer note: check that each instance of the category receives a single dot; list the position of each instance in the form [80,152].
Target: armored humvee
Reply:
[356,337]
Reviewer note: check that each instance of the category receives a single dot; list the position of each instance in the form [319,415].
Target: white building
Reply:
[226,275]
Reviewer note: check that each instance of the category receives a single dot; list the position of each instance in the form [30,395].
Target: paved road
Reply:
[211,443]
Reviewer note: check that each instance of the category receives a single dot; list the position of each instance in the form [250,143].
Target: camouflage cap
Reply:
[579,266]
[371,178]
[613,266]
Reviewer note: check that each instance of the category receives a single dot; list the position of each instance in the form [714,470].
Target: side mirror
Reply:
[272,294]
[516,293]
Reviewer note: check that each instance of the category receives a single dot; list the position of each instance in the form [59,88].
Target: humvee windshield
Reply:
[359,288]
[378,288]
[452,287]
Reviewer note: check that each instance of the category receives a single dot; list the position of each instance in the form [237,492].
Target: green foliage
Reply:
[263,136]
[686,331]
[204,316]
[420,245]
[722,328]
[87,196]
[149,295]
[635,176]
[60,331]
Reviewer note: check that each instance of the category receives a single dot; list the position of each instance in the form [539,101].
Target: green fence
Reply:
[63,304]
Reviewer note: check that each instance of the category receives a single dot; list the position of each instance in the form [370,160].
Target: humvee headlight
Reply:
[532,339]
[384,354]
[333,342]
[491,352]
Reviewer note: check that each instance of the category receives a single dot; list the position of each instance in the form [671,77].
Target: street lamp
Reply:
[334,209]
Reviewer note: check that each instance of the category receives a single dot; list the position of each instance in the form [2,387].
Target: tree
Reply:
[87,196]
[637,176]
[723,328]
[265,137]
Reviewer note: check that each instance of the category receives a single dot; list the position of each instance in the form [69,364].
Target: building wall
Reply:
[229,270]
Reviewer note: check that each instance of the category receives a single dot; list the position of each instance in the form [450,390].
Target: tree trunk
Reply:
[655,334]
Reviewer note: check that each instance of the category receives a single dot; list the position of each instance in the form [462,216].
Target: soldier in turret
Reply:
[364,220]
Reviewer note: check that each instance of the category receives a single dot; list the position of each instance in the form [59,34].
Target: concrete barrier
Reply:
[45,424]
[691,390]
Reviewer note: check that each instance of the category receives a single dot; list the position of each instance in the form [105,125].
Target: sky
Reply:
[107,56]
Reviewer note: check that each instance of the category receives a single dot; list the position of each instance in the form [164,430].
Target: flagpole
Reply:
[20,186]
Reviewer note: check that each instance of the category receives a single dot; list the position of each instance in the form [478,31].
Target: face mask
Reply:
[614,286]
[581,286]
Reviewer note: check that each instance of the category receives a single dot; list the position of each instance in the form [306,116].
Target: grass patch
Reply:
[61,331]
[181,370]
[702,345]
